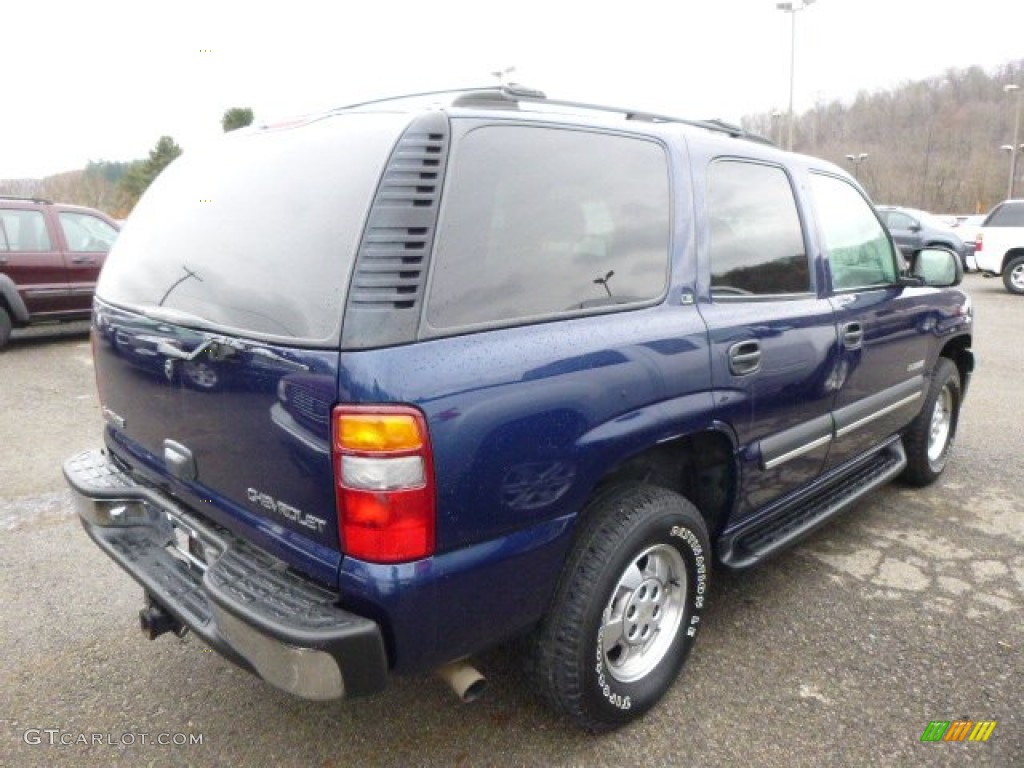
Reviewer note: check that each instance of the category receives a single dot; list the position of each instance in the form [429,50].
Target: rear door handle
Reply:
[745,358]
[853,335]
[83,260]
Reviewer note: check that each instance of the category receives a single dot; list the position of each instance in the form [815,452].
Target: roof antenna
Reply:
[502,74]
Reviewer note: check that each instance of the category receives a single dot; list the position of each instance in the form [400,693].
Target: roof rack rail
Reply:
[518,93]
[514,93]
[27,199]
[422,94]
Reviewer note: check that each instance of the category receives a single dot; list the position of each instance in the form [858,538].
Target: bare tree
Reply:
[932,144]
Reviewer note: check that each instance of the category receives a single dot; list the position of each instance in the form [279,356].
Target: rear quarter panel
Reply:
[524,422]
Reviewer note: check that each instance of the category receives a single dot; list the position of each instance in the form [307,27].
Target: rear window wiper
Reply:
[178,317]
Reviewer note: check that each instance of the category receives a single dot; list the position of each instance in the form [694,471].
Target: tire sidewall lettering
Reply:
[700,565]
[604,681]
[623,696]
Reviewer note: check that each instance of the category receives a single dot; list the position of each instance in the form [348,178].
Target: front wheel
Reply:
[627,609]
[1013,275]
[5,327]
[929,438]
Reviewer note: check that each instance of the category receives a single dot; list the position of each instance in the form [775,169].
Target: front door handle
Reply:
[853,335]
[745,358]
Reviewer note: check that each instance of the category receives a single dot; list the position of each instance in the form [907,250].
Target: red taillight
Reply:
[384,481]
[977,242]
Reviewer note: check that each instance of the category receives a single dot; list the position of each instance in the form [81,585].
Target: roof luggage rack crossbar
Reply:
[514,93]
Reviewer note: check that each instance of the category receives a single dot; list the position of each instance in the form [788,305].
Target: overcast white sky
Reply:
[104,79]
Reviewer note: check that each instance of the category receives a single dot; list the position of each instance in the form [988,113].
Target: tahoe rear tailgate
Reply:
[238,429]
[218,319]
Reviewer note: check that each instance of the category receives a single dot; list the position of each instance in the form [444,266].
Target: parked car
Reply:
[624,348]
[968,221]
[967,227]
[50,257]
[913,229]
[1000,245]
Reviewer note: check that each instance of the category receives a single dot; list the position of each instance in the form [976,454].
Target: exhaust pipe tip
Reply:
[464,679]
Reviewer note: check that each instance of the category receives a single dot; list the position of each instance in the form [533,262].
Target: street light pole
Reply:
[1008,149]
[1015,147]
[791,8]
[857,160]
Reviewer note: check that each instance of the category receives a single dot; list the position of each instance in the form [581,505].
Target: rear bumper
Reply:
[241,601]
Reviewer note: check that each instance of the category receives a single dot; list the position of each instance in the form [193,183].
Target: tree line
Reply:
[114,187]
[933,144]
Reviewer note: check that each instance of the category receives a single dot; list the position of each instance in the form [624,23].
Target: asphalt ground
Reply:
[839,652]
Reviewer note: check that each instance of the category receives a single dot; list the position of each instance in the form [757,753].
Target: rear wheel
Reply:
[929,438]
[1013,275]
[5,327]
[627,609]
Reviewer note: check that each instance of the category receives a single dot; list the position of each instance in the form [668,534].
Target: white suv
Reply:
[1000,245]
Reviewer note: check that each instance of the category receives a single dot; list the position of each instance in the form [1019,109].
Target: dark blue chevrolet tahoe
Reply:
[391,385]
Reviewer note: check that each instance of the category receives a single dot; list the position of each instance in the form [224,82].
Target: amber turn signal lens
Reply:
[378,432]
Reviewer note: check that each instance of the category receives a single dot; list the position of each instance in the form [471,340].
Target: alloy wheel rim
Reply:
[202,375]
[1017,277]
[941,424]
[642,617]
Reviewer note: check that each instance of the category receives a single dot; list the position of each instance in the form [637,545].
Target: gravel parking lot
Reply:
[837,653]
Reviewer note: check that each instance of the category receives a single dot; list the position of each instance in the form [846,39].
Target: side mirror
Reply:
[915,228]
[938,267]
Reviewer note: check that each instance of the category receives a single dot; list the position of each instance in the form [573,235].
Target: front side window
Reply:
[84,232]
[757,244]
[897,220]
[23,231]
[541,222]
[859,250]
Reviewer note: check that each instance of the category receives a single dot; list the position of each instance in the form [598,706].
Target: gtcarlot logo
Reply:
[55,737]
[958,730]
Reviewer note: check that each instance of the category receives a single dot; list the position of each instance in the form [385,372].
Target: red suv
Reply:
[50,257]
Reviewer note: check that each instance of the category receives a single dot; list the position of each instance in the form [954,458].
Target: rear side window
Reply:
[859,251]
[1006,215]
[23,231]
[257,233]
[757,244]
[539,222]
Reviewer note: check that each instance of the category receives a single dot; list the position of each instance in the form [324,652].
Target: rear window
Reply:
[1006,215]
[257,233]
[541,222]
